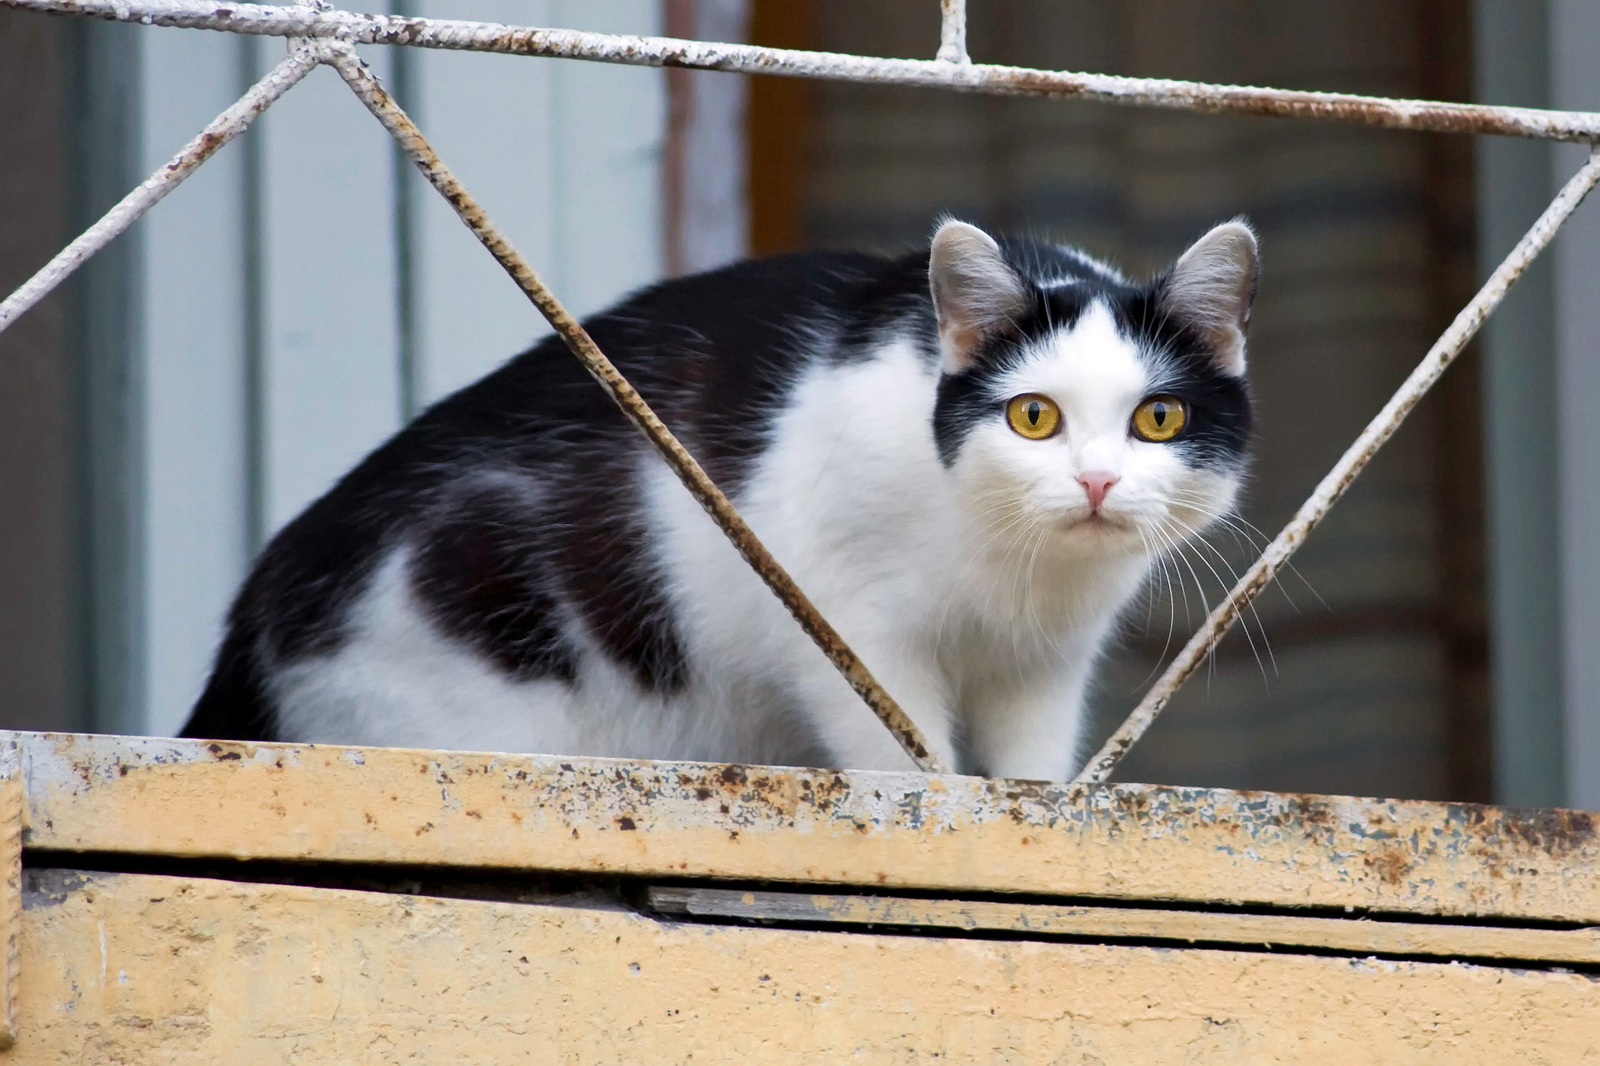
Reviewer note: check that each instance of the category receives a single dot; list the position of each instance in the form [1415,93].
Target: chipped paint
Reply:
[945,833]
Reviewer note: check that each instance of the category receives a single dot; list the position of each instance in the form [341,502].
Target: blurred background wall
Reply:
[305,293]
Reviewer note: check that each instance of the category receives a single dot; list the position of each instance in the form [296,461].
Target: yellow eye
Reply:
[1159,418]
[1035,417]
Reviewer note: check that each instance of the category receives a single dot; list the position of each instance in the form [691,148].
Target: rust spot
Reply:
[1555,832]
[473,814]
[1390,864]
[222,754]
[367,816]
[702,793]
[1310,812]
[425,827]
[733,776]
[624,823]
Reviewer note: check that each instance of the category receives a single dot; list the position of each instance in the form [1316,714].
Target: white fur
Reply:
[979,595]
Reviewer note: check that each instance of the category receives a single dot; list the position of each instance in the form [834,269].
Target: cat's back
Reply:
[506,513]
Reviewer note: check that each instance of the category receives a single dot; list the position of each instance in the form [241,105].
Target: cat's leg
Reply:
[855,736]
[1030,730]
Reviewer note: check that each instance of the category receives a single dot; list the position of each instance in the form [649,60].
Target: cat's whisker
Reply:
[1150,596]
[1169,550]
[1233,520]
[1196,535]
[1192,537]
[1159,557]
[1211,650]
[1186,538]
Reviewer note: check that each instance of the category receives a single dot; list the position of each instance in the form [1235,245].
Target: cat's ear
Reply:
[1212,287]
[975,291]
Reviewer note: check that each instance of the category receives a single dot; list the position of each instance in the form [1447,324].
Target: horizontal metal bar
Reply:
[694,478]
[224,128]
[1042,920]
[751,59]
[1344,472]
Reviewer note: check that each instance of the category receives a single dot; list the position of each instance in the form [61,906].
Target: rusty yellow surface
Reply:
[951,834]
[1442,939]
[11,807]
[144,968]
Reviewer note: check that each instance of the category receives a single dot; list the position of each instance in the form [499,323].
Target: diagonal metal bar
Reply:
[721,510]
[1350,464]
[224,128]
[288,21]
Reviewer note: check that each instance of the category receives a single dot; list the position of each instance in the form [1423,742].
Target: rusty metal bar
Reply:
[1350,464]
[953,31]
[224,128]
[356,28]
[721,510]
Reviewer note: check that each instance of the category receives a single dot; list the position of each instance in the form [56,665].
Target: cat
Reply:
[970,458]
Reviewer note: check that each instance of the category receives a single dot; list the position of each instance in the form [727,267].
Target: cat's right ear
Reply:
[975,292]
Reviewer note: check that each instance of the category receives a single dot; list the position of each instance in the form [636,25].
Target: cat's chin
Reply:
[1099,528]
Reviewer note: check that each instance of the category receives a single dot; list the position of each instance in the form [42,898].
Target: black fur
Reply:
[516,495]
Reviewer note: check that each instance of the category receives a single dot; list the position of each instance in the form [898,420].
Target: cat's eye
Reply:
[1035,417]
[1159,418]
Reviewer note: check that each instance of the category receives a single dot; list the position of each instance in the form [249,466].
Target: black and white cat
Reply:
[969,457]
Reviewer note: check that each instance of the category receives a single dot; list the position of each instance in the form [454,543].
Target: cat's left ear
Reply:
[1212,287]
[975,291]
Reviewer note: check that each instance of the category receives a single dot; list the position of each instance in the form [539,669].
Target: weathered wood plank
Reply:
[954,834]
[142,968]
[1443,939]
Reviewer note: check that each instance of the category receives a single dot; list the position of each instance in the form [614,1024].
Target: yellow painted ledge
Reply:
[143,968]
[962,835]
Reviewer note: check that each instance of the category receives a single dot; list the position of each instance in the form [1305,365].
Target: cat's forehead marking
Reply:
[1092,362]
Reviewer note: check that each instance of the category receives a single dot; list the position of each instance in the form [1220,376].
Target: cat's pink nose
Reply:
[1097,483]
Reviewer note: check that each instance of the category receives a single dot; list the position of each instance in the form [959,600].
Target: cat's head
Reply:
[1090,411]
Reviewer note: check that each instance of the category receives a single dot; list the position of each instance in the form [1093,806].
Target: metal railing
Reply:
[319,34]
